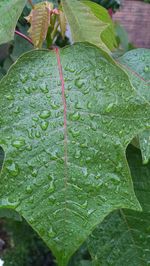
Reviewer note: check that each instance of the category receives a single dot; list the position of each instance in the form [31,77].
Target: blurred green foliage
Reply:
[114,4]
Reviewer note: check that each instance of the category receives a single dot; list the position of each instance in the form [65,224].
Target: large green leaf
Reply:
[124,236]
[137,65]
[10,11]
[85,26]
[65,167]
[108,35]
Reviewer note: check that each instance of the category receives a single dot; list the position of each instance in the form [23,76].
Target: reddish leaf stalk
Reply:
[23,36]
[30,2]
[65,111]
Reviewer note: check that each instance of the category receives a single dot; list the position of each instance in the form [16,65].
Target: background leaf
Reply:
[64,196]
[124,236]
[85,26]
[108,35]
[137,65]
[10,11]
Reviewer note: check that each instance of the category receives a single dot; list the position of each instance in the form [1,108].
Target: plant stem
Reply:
[30,2]
[23,36]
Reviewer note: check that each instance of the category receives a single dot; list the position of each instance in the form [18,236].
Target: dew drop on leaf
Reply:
[29,189]
[45,114]
[79,83]
[84,205]
[77,154]
[27,90]
[146,69]
[44,125]
[54,105]
[75,116]
[75,132]
[44,88]
[10,97]
[18,143]
[109,107]
[34,172]
[51,187]
[38,134]
[51,232]
[13,169]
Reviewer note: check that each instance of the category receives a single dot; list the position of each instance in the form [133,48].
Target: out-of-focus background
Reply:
[134,16]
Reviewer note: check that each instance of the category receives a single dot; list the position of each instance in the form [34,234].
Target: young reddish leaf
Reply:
[39,19]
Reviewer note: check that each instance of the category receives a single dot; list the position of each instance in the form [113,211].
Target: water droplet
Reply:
[44,88]
[44,125]
[105,79]
[33,77]
[84,144]
[45,114]
[75,116]
[18,143]
[84,205]
[78,105]
[51,232]
[17,110]
[31,220]
[31,199]
[79,83]
[86,91]
[35,119]
[54,155]
[89,105]
[38,134]
[84,171]
[23,78]
[93,126]
[90,211]
[13,169]
[27,90]
[77,154]
[29,189]
[100,166]
[10,97]
[30,133]
[88,159]
[9,203]
[52,199]
[109,107]
[54,106]
[34,172]
[104,135]
[51,187]
[119,167]
[146,69]
[98,176]
[75,132]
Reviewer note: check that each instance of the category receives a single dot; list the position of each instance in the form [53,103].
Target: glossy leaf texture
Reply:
[65,166]
[10,11]
[137,65]
[108,35]
[85,26]
[124,236]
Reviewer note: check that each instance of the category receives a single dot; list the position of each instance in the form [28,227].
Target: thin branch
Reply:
[23,36]
[30,2]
